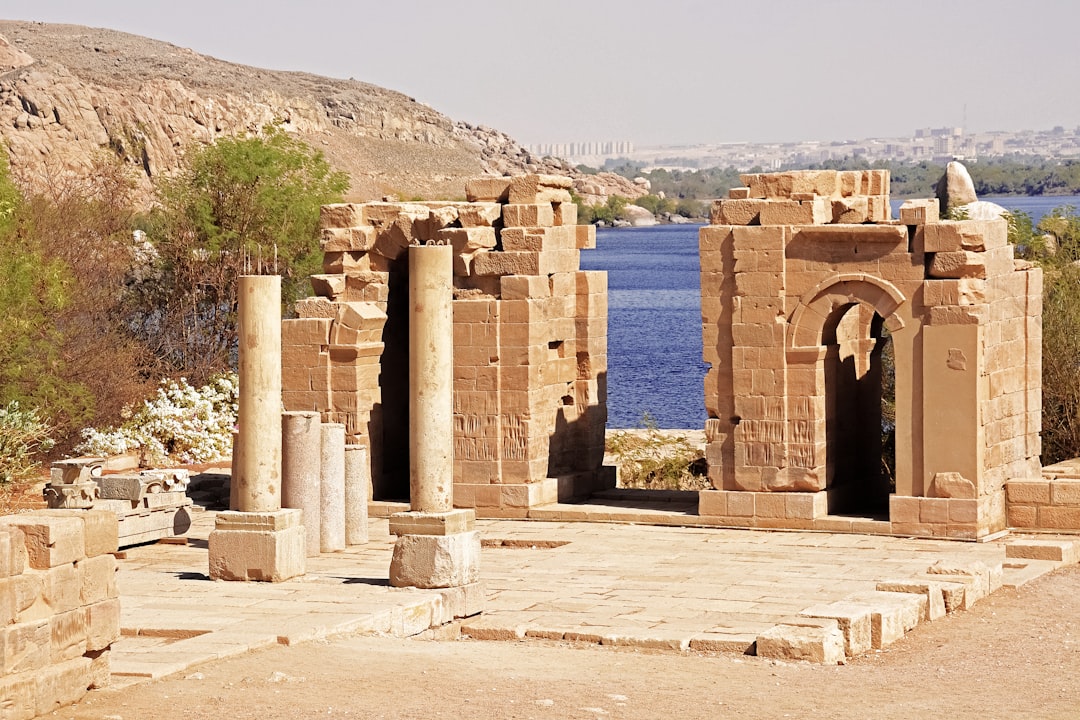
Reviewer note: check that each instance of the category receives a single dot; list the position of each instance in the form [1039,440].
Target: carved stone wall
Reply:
[530,341]
[808,287]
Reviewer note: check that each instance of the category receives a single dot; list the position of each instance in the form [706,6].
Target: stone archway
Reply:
[855,339]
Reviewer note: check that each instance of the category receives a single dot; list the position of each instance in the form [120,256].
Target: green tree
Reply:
[1056,247]
[34,291]
[244,205]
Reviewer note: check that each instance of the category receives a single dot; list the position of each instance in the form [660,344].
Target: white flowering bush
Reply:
[23,434]
[180,423]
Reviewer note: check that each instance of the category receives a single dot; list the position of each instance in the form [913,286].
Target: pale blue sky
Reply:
[667,72]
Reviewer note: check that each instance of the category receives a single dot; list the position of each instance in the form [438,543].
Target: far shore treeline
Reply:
[999,176]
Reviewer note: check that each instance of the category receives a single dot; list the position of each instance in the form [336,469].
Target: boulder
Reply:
[639,216]
[955,187]
[982,210]
[12,57]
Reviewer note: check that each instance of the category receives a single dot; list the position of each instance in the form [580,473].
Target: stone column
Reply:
[357,484]
[332,522]
[437,546]
[258,540]
[301,471]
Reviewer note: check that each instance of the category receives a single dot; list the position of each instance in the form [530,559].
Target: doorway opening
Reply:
[860,412]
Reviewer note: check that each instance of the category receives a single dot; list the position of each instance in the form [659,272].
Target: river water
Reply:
[654,318]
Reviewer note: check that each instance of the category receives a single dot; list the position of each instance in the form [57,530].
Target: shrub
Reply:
[23,434]
[180,423]
[654,459]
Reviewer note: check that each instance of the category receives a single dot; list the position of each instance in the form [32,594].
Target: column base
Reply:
[436,561]
[258,546]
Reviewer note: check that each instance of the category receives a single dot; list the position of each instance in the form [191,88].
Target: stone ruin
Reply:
[805,280]
[530,331]
[149,504]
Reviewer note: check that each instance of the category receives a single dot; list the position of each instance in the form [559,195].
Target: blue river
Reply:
[655,371]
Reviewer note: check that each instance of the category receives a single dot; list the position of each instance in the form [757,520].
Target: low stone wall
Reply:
[59,608]
[1050,502]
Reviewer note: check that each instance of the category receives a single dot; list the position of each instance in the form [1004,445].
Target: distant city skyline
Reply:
[682,72]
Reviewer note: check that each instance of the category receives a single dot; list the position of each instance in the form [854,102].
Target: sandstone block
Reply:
[8,610]
[100,668]
[467,240]
[971,235]
[347,239]
[933,608]
[585,237]
[328,286]
[272,550]
[436,561]
[62,684]
[1063,551]
[853,621]
[67,633]
[479,214]
[488,189]
[527,189]
[18,696]
[810,643]
[566,213]
[518,239]
[899,612]
[12,551]
[919,212]
[50,540]
[736,212]
[97,579]
[952,485]
[851,211]
[521,287]
[102,624]
[529,215]
[975,576]
[25,647]
[739,193]
[958,264]
[341,215]
[417,523]
[316,307]
[348,262]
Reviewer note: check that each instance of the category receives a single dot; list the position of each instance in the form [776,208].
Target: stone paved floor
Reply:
[705,588]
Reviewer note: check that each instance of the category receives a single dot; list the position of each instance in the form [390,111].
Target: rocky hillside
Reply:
[68,92]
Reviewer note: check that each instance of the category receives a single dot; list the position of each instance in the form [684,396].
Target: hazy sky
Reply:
[665,72]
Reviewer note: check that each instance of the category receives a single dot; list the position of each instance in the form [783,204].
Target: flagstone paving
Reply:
[622,584]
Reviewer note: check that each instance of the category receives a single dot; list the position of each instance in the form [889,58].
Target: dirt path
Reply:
[1016,655]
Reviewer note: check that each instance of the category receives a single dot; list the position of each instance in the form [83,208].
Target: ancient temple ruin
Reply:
[805,281]
[530,347]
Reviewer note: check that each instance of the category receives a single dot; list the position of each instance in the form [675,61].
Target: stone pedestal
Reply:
[437,546]
[435,550]
[301,471]
[264,546]
[257,540]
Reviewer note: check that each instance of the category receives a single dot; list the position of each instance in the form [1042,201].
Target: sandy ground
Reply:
[1016,655]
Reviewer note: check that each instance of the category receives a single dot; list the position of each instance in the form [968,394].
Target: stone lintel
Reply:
[274,521]
[447,523]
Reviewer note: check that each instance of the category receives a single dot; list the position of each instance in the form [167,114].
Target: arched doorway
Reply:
[859,421]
